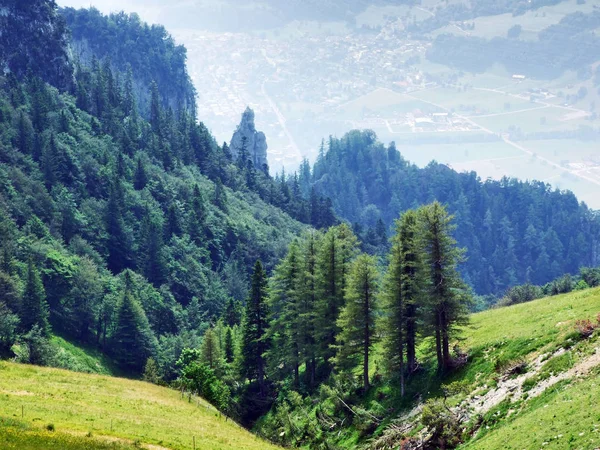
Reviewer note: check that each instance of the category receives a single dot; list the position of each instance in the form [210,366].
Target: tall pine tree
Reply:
[34,307]
[357,319]
[447,294]
[403,287]
[254,344]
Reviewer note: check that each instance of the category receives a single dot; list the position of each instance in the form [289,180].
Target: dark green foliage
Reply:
[338,248]
[514,231]
[34,308]
[34,41]
[132,341]
[149,51]
[90,189]
[229,350]
[8,328]
[232,316]
[357,318]
[447,295]
[152,372]
[200,379]
[211,350]
[404,289]
[255,327]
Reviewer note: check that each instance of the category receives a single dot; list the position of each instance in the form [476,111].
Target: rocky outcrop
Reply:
[255,142]
[33,40]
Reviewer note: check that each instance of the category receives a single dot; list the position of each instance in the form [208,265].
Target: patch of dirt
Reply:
[579,370]
[17,393]
[106,438]
[512,388]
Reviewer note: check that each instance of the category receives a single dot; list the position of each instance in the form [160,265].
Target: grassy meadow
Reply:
[53,408]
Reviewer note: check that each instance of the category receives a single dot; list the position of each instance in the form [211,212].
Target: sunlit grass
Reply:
[78,404]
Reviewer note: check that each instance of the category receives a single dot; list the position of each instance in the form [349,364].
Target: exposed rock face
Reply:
[255,141]
[33,38]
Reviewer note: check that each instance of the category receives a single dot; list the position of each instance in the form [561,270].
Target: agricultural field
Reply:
[532,22]
[458,154]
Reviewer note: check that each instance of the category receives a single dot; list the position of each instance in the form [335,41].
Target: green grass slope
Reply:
[558,407]
[96,412]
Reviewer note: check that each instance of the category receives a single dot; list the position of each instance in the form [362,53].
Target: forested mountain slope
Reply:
[514,231]
[127,234]
[130,44]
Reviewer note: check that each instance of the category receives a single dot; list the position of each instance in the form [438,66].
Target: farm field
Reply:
[463,153]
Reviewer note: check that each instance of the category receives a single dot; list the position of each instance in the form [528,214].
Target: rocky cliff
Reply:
[254,142]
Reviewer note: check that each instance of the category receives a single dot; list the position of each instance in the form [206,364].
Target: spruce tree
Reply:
[284,318]
[152,258]
[34,307]
[197,217]
[447,294]
[140,177]
[402,294]
[357,318]
[118,243]
[210,349]
[132,341]
[307,306]
[255,326]
[338,248]
[229,350]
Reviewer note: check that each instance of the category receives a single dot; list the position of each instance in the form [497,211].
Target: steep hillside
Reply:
[51,408]
[130,44]
[529,377]
[33,40]
[95,201]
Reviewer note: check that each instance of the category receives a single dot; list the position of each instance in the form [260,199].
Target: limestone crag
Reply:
[254,141]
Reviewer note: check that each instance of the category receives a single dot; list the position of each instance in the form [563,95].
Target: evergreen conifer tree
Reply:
[402,294]
[132,340]
[34,308]
[255,326]
[357,318]
[447,295]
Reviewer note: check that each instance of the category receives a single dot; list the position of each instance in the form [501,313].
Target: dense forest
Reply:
[514,231]
[120,231]
[128,43]
[126,228]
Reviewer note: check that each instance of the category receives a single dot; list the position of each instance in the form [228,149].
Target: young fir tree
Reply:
[132,340]
[152,258]
[307,306]
[284,318]
[118,242]
[197,217]
[34,308]
[357,318]
[229,349]
[403,287]
[338,248]
[447,294]
[255,327]
[232,313]
[140,177]
[210,349]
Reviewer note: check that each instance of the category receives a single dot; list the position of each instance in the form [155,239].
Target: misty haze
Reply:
[312,224]
[481,88]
